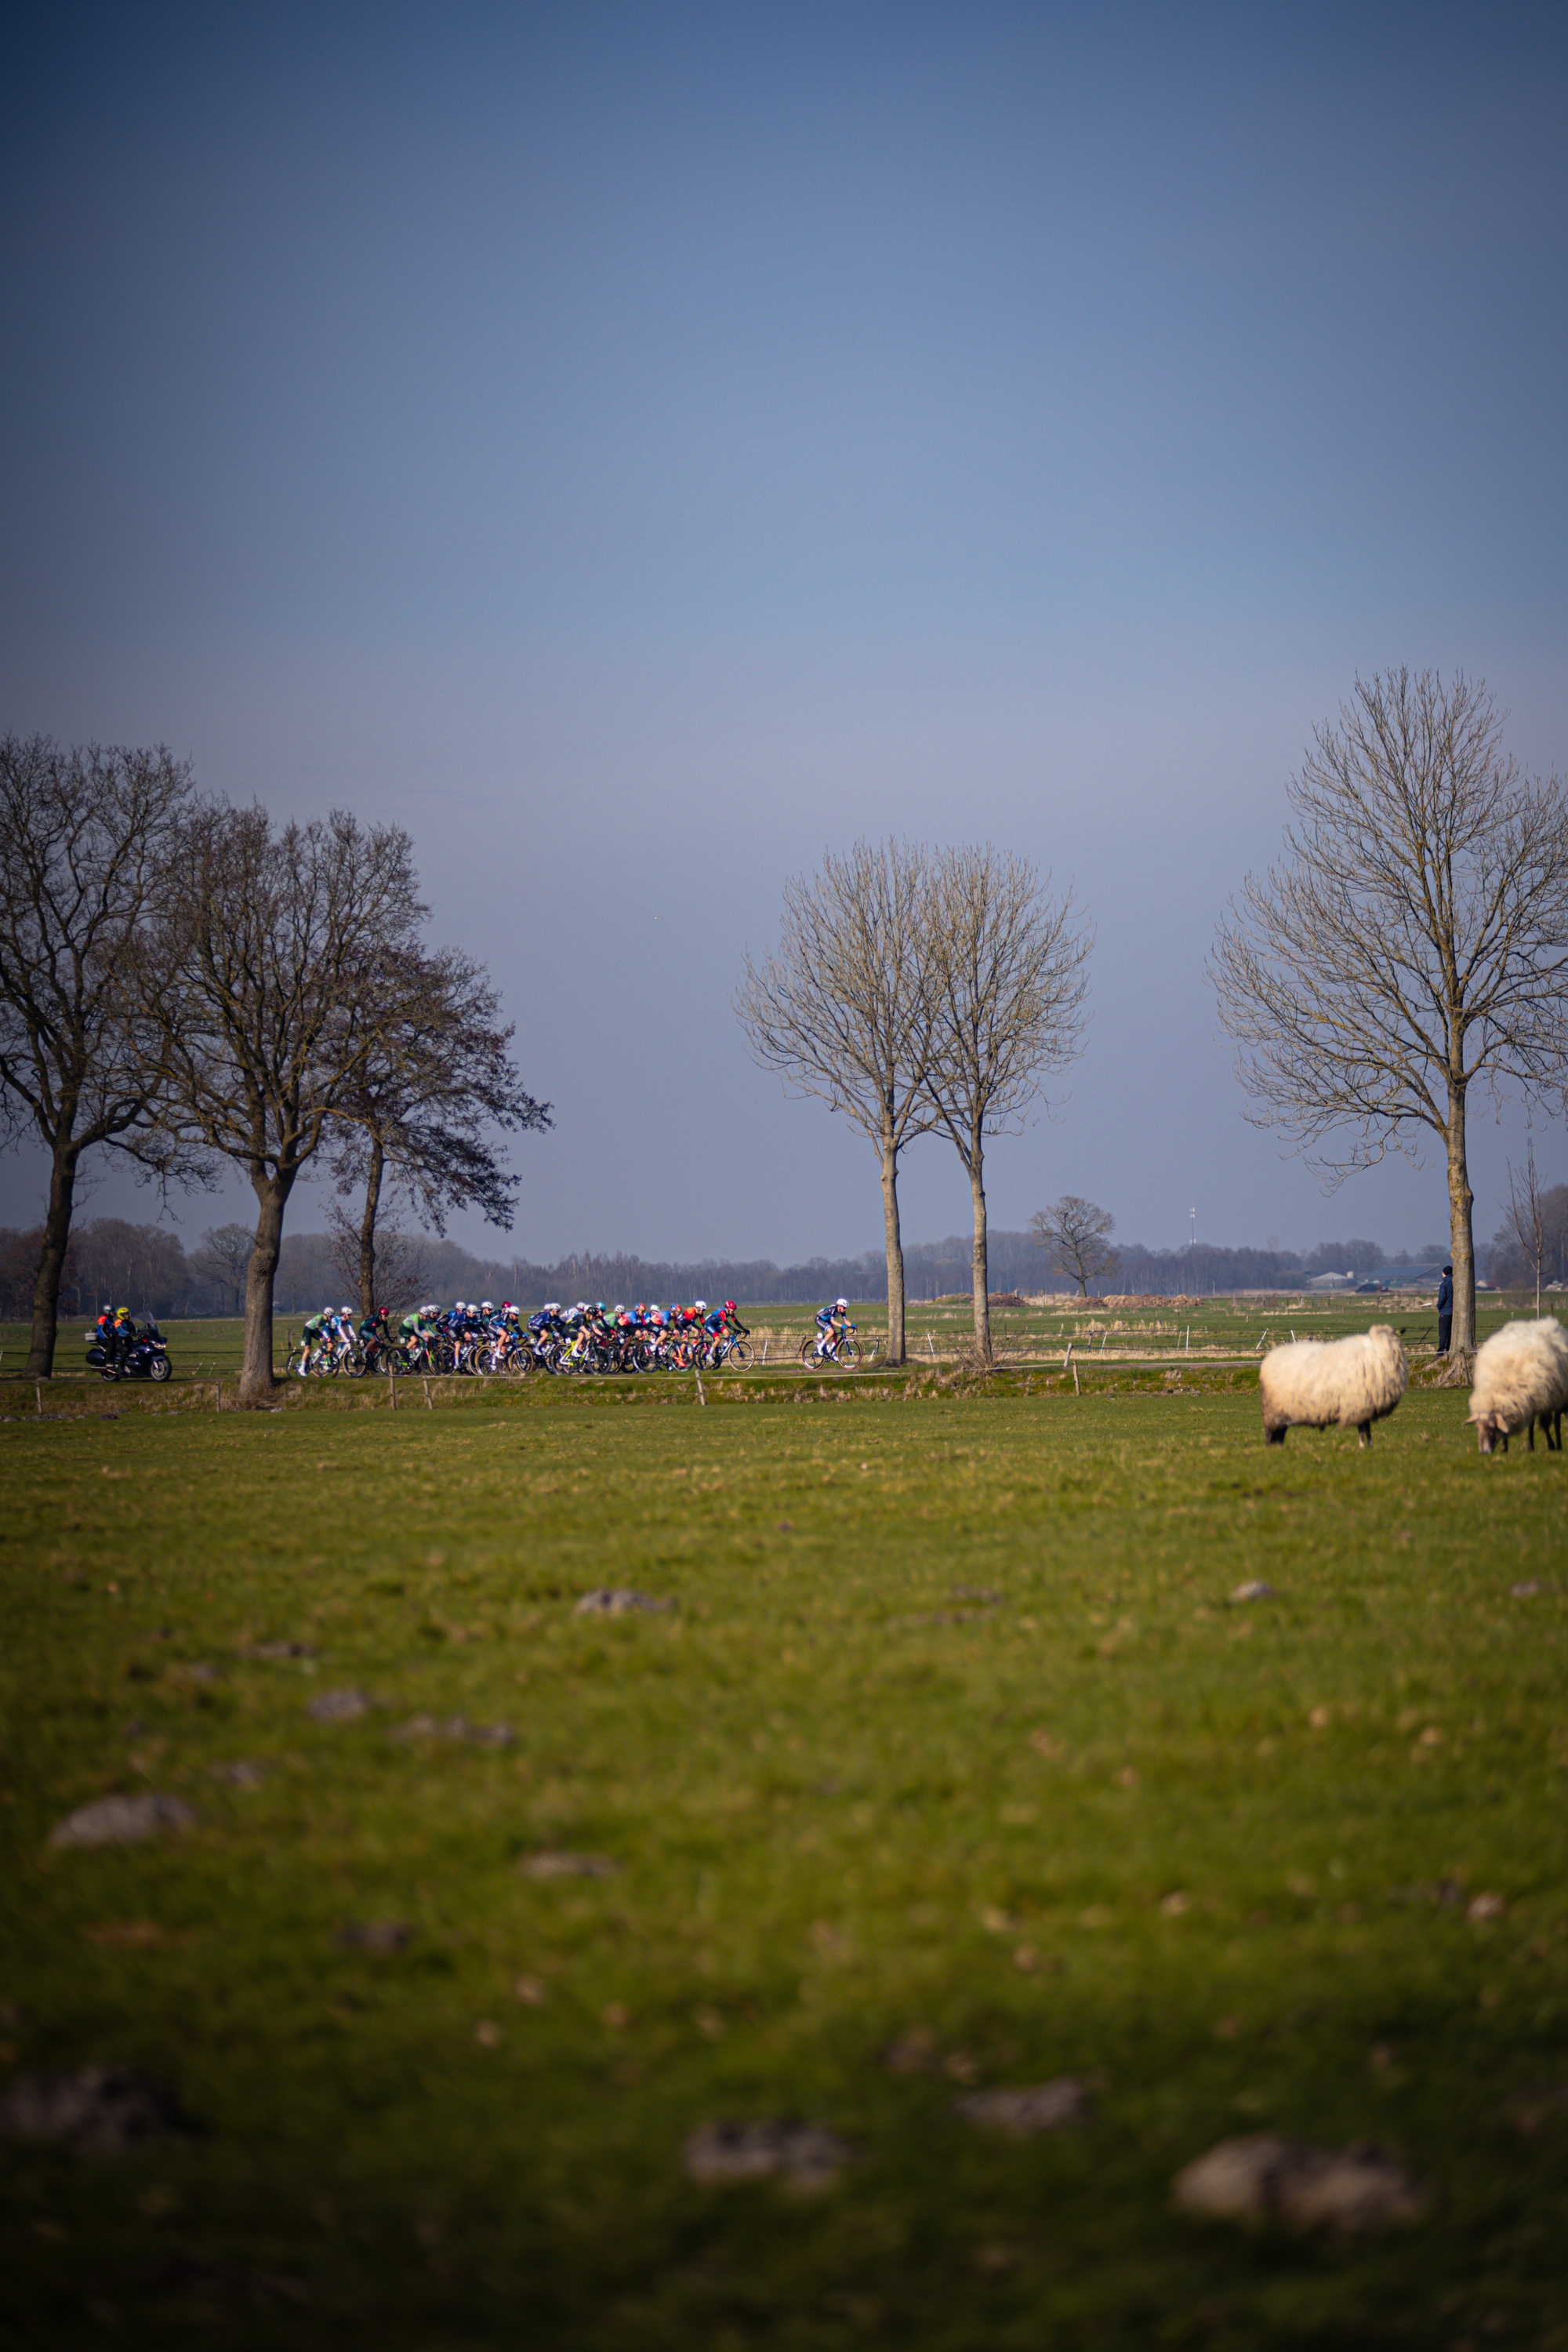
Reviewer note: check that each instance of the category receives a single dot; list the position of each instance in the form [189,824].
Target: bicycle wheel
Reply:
[850,1354]
[808,1355]
[737,1354]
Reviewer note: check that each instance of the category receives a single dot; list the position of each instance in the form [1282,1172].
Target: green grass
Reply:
[852,1797]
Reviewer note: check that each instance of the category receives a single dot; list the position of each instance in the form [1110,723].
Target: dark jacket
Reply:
[1446,1294]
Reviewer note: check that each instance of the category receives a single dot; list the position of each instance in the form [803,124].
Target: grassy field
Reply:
[951,1766]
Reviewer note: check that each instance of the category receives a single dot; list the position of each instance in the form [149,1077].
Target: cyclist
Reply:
[374,1334]
[312,1337]
[415,1331]
[832,1322]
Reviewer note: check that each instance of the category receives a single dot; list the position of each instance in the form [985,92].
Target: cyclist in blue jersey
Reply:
[832,1322]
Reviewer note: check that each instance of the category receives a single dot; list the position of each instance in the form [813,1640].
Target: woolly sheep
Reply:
[1329,1383]
[1520,1378]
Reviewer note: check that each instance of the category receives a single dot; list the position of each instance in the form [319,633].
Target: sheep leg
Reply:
[1274,1437]
[1552,1430]
[1363,1437]
[1530,1433]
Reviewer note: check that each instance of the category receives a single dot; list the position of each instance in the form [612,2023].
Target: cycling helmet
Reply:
[729,1307]
[841,1302]
[345,1310]
[701,1305]
[486,1306]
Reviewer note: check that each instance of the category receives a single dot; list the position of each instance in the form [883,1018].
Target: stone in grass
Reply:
[1039,2107]
[97,2110]
[1356,2189]
[1254,1589]
[456,1726]
[243,1772]
[806,2157]
[553,1864]
[122,1821]
[617,1601]
[279,1650]
[373,1935]
[339,1706]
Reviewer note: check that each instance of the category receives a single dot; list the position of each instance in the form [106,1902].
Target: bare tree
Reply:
[223,1258]
[80,835]
[19,1255]
[1076,1234]
[1412,946]
[263,1003]
[1554,1212]
[405,1262]
[844,1010]
[1526,1221]
[436,1076]
[1511,1267]
[1011,984]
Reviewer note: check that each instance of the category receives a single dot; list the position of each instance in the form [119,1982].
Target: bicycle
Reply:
[843,1350]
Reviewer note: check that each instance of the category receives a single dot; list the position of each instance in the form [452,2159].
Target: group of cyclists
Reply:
[478,1337]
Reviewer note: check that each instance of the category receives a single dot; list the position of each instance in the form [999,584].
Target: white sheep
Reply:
[1331,1383]
[1520,1378]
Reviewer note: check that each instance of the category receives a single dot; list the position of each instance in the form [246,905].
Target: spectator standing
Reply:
[1445,1310]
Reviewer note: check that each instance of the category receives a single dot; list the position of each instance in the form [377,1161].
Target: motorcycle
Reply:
[147,1359]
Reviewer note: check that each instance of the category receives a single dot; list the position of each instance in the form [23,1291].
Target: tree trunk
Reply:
[51,1264]
[376,1164]
[978,1260]
[895,1245]
[256,1379]
[1461,1202]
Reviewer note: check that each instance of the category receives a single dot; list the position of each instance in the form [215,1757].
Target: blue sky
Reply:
[637,448]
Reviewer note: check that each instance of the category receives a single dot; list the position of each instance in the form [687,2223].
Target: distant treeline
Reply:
[147,1268]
